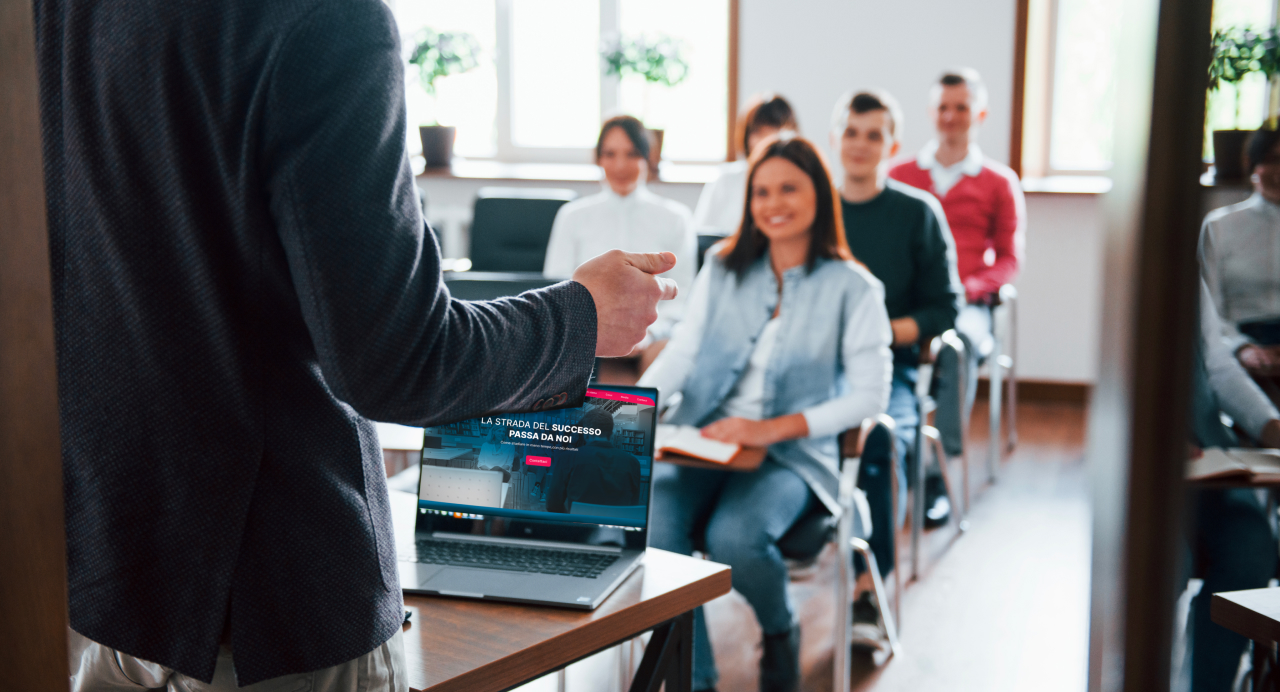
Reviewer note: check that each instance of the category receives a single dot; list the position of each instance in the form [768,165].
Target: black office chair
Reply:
[511,226]
[705,241]
[493,285]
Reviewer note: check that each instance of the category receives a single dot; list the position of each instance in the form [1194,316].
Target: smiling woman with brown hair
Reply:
[785,344]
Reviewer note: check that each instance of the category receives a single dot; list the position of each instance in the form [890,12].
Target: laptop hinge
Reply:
[524,542]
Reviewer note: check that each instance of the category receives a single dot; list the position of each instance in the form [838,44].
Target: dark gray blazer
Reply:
[241,278]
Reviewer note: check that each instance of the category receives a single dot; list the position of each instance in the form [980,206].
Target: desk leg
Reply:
[668,658]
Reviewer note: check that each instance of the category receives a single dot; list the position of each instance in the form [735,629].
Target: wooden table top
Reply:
[483,646]
[745,461]
[1254,613]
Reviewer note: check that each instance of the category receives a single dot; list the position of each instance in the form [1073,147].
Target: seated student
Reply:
[626,216]
[901,234]
[1232,537]
[1240,259]
[785,345]
[987,214]
[719,210]
[596,473]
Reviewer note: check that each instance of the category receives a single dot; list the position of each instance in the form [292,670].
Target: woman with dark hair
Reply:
[784,345]
[1239,256]
[626,216]
[719,210]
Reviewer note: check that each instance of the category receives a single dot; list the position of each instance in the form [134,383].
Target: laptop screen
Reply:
[585,465]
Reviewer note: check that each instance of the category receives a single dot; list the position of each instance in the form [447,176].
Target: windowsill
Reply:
[1067,185]
[473,169]
[1207,179]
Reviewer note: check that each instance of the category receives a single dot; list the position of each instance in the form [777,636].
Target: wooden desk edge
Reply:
[514,669]
[1241,619]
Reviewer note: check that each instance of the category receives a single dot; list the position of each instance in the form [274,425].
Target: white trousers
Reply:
[97,668]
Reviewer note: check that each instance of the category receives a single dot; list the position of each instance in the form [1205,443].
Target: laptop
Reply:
[549,507]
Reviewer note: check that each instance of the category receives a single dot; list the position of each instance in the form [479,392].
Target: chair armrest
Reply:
[929,347]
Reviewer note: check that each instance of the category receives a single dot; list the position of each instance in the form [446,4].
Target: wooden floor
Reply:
[1002,607]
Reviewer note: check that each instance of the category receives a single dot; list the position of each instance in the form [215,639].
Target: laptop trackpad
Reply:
[477,582]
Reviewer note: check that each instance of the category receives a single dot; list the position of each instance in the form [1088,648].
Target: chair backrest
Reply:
[511,226]
[810,534]
[627,512]
[493,285]
[705,241]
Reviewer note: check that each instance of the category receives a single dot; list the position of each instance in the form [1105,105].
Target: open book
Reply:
[1251,465]
[688,440]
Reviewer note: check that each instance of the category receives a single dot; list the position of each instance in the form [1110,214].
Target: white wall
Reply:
[811,52]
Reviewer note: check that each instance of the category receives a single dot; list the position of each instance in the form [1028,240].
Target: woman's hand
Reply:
[757,433]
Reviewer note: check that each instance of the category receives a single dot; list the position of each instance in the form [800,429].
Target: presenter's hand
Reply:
[626,292]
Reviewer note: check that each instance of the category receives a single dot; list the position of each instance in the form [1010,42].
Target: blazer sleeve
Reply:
[938,292]
[1008,239]
[388,338]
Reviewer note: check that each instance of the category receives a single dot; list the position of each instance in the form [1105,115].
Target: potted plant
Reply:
[658,60]
[1237,52]
[440,54]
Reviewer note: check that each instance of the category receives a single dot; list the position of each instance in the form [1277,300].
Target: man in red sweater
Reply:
[985,209]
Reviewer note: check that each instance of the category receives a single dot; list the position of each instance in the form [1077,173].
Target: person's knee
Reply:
[738,545]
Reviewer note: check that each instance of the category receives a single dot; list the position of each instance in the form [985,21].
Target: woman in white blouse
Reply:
[626,216]
[785,345]
[719,210]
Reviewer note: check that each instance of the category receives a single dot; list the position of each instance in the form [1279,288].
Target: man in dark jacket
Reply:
[241,281]
[596,473]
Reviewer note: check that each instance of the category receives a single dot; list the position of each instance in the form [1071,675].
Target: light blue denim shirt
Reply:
[831,360]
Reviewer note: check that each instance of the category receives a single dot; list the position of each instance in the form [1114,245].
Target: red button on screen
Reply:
[538,461]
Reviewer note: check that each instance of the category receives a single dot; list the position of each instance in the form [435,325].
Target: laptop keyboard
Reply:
[567,563]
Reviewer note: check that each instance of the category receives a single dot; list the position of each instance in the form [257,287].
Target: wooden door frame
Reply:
[33,600]
[1139,412]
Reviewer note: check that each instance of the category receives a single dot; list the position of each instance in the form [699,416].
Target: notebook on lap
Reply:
[550,507]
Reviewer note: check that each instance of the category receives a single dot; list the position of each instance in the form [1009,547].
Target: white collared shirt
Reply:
[639,222]
[946,177]
[1240,261]
[720,205]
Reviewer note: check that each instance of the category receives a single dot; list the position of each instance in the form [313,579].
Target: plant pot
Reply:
[1228,155]
[655,151]
[437,145]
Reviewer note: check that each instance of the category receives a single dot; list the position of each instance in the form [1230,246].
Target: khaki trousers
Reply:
[97,668]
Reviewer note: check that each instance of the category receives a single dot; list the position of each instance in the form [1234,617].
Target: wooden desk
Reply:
[748,460]
[478,646]
[1254,613]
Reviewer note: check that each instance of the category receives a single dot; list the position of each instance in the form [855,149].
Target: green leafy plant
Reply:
[439,54]
[1238,52]
[658,60]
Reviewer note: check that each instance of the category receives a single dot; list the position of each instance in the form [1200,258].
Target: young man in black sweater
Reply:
[901,235]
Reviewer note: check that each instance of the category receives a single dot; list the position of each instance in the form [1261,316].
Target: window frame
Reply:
[507,151]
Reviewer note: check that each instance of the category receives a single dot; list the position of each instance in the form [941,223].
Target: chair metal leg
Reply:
[935,442]
[897,549]
[996,373]
[917,470]
[888,621]
[844,590]
[1009,298]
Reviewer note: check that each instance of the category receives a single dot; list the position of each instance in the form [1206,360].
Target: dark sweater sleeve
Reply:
[389,340]
[938,288]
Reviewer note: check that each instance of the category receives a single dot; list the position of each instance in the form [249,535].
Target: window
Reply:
[540,93]
[1070,83]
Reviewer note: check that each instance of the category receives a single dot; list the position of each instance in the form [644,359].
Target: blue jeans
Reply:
[737,518]
[1234,544]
